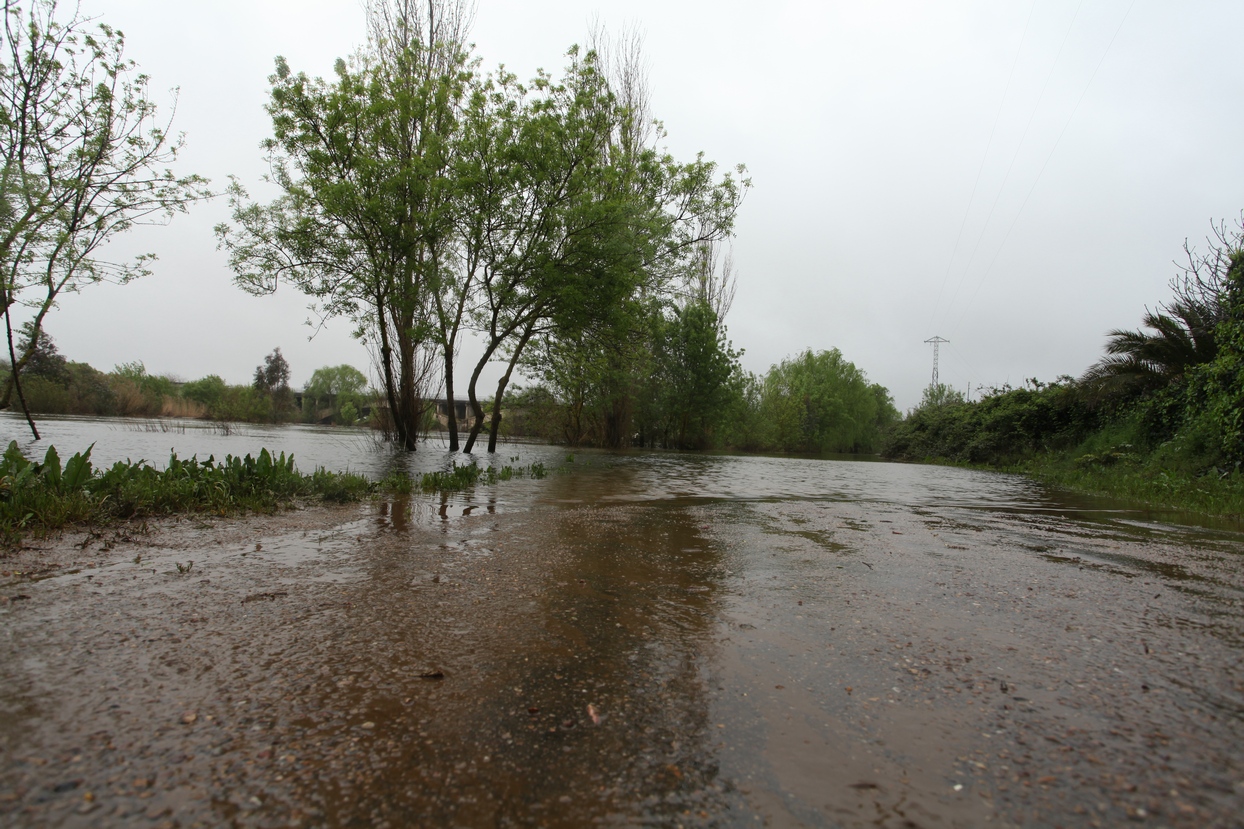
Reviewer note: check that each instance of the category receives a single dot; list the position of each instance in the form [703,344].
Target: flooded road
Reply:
[644,640]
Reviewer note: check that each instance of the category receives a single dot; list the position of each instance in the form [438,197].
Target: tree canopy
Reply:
[335,380]
[422,197]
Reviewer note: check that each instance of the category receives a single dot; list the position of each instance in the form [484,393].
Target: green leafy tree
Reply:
[587,246]
[210,391]
[361,223]
[655,371]
[272,382]
[336,380]
[549,233]
[535,412]
[941,395]
[820,402]
[745,427]
[83,158]
[273,375]
[45,360]
[1217,390]
[887,413]
[337,386]
[696,365]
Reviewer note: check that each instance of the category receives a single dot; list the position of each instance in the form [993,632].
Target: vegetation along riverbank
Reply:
[549,222]
[44,495]
[1159,419]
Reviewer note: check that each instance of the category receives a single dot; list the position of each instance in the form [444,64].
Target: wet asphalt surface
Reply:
[571,657]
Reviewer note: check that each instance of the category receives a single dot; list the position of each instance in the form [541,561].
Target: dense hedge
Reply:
[1004,427]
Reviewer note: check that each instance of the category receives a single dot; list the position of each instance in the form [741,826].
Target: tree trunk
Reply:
[13,372]
[477,411]
[618,421]
[386,366]
[448,340]
[450,403]
[408,414]
[574,417]
[20,362]
[505,381]
[532,316]
[390,391]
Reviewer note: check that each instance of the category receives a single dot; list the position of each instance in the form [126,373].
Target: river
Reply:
[639,639]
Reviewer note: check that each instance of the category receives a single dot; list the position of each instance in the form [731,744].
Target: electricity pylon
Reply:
[936,342]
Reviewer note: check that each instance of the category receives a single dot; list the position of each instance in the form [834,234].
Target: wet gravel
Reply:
[573,658]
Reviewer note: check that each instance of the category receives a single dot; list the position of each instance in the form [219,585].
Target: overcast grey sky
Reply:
[1015,176]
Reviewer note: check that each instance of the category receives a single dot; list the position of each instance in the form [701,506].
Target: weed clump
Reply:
[48,495]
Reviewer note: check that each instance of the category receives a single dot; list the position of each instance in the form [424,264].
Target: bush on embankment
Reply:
[50,384]
[1143,451]
[1159,418]
[1005,427]
[129,391]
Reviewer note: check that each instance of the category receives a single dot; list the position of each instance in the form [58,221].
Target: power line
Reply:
[1023,137]
[988,146]
[1041,172]
[971,368]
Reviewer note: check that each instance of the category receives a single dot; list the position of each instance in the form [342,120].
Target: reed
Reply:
[182,407]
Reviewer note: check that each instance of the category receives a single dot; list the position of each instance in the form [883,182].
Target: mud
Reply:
[566,659]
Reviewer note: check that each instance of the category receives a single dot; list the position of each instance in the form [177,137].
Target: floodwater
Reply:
[636,640]
[335,448]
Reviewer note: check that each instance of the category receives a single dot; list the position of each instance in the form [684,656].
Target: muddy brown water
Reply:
[644,640]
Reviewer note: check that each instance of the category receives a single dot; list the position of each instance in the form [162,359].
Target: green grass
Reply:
[1125,476]
[1122,474]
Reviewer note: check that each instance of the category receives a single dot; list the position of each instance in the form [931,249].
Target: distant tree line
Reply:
[683,390]
[686,390]
[55,385]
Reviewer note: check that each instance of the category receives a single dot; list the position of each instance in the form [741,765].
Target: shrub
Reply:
[1005,427]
